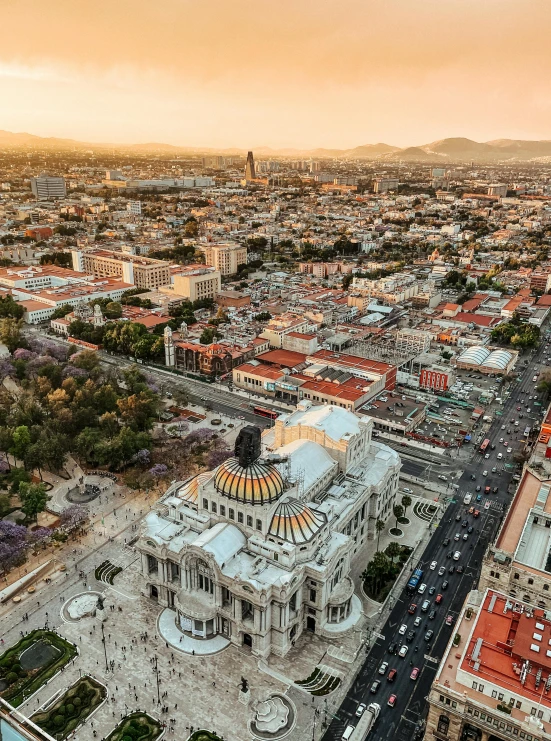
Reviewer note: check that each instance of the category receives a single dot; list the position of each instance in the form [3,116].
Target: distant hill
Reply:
[451,149]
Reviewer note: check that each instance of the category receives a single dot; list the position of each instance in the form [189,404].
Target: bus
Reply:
[484,445]
[415,579]
[527,431]
[262,412]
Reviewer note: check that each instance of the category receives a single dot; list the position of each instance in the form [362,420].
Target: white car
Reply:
[501,439]
[407,491]
[484,473]
[487,456]
[509,450]
[433,565]
[442,478]
[403,629]
[457,555]
[403,651]
[441,571]
[502,427]
[499,456]
[360,709]
[383,667]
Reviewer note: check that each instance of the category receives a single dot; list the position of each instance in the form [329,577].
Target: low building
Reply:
[195,283]
[436,378]
[143,272]
[487,361]
[258,551]
[237,299]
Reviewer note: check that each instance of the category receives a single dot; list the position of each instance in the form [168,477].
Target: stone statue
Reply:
[101,599]
[244,685]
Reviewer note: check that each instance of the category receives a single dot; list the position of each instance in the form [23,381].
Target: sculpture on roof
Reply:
[83,311]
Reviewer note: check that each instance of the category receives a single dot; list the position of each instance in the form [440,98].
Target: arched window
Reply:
[443,725]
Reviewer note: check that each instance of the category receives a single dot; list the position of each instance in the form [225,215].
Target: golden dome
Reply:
[295,522]
[190,490]
[257,483]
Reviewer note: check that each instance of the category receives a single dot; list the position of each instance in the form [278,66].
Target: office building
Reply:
[47,188]
[225,256]
[195,283]
[497,189]
[250,172]
[143,272]
[383,185]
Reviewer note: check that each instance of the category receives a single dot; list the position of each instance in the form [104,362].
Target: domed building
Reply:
[259,550]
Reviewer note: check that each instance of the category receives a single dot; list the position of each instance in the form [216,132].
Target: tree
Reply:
[139,410]
[393,550]
[21,440]
[113,310]
[406,502]
[398,512]
[5,504]
[33,498]
[73,516]
[13,542]
[10,308]
[208,335]
[379,527]
[10,333]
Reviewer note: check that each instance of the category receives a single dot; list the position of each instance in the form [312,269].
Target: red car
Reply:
[412,609]
[415,673]
[392,701]
[476,513]
[449,620]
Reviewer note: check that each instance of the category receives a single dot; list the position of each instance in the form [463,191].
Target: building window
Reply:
[530,581]
[222,510]
[494,693]
[500,696]
[515,576]
[475,685]
[443,725]
[259,525]
[313,595]
[481,688]
[205,503]
[518,704]
[240,517]
[231,514]
[249,521]
[213,506]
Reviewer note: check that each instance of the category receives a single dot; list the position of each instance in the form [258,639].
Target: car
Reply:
[433,565]
[492,447]
[412,608]
[495,490]
[383,667]
[505,443]
[476,513]
[403,651]
[499,456]
[425,606]
[470,529]
[487,456]
[460,569]
[457,555]
[392,675]
[518,409]
[517,423]
[438,599]
[494,469]
[407,491]
[464,523]
[473,477]
[501,439]
[444,584]
[441,570]
[502,427]
[465,536]
[457,518]
[432,590]
[403,629]
[391,701]
[457,536]
[446,541]
[422,588]
[449,620]
[451,569]
[484,473]
[471,510]
[479,488]
[392,648]
[429,634]
[486,490]
[432,614]
[487,505]
[442,477]
[414,673]
[509,450]
[478,499]
[410,636]
[375,686]
[417,621]
[360,709]
[449,554]
[348,731]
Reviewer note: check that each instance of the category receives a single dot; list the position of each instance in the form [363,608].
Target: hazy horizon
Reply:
[299,74]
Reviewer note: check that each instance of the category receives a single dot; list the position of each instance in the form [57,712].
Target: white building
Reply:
[259,550]
[48,189]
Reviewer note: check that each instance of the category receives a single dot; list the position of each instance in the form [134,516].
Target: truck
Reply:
[366,722]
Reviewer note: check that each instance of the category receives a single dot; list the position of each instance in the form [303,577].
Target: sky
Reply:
[279,73]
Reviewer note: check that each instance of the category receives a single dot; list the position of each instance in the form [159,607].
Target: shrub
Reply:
[61,710]
[77,701]
[11,677]
[70,708]
[59,720]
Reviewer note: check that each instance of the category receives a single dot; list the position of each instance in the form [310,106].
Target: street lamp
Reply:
[104,646]
[157,677]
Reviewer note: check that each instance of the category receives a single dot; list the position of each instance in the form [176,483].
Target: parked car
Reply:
[375,686]
[360,709]
[383,667]
[444,584]
[391,675]
[414,673]
[403,651]
[392,701]
[412,608]
[429,634]
[403,629]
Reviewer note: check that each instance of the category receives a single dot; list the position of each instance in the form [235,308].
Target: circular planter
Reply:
[404,521]
[396,532]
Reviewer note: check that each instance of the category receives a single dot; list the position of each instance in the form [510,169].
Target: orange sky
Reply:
[304,73]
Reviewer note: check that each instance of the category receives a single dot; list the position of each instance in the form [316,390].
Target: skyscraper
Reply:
[250,173]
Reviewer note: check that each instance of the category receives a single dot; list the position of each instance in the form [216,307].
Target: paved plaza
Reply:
[200,691]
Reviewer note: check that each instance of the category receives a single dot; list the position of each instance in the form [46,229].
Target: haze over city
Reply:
[287,74]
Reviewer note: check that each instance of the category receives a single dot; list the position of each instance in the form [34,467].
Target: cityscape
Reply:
[275,379]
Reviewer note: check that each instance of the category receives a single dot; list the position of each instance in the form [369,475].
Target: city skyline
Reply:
[305,75]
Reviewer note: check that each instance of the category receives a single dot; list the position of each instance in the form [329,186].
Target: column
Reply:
[144,564]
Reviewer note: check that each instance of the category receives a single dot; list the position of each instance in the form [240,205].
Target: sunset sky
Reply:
[281,73]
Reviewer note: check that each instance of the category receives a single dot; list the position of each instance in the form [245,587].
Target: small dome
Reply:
[295,522]
[190,490]
[257,483]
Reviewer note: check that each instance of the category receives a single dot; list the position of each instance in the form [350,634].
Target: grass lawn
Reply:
[72,708]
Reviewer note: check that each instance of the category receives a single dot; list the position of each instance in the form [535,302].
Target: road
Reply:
[399,722]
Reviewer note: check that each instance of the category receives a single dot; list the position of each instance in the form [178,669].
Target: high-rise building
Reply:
[250,173]
[225,257]
[48,189]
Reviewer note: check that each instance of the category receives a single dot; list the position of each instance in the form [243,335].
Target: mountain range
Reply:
[457,149]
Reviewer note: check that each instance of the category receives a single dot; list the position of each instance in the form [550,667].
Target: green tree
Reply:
[34,499]
[393,550]
[5,504]
[10,333]
[406,502]
[398,512]
[113,310]
[21,441]
[379,527]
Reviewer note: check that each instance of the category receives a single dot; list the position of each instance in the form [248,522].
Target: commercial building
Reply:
[383,185]
[195,283]
[494,677]
[497,189]
[143,272]
[250,172]
[48,188]
[225,256]
[436,378]
[484,360]
[540,280]
[258,551]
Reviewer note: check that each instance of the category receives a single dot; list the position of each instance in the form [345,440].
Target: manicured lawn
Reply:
[204,736]
[45,653]
[136,727]
[72,708]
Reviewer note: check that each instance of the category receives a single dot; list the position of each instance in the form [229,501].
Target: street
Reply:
[399,722]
